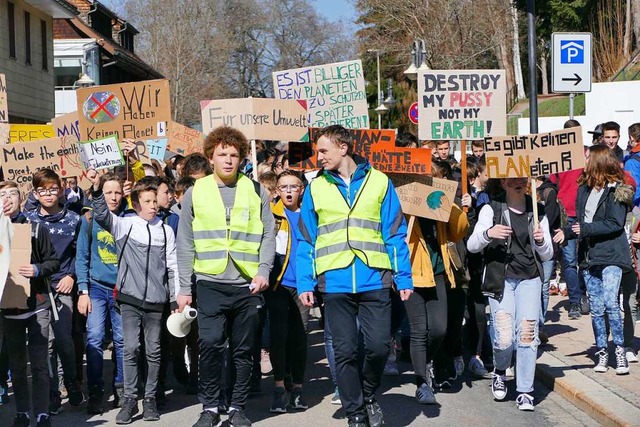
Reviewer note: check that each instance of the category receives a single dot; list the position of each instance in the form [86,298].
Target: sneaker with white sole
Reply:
[477,369]
[458,365]
[525,402]
[622,365]
[631,355]
[498,387]
[279,402]
[425,396]
[335,399]
[603,361]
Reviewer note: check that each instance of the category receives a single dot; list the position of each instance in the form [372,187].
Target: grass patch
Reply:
[559,107]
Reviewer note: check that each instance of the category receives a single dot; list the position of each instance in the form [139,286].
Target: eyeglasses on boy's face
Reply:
[53,191]
[9,193]
[289,187]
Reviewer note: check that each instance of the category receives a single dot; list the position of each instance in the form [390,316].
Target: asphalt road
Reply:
[469,402]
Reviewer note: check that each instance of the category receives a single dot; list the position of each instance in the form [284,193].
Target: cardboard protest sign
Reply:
[20,160]
[461,104]
[4,111]
[429,198]
[101,153]
[335,93]
[137,110]
[258,118]
[157,148]
[67,126]
[534,155]
[184,140]
[26,133]
[17,287]
[376,145]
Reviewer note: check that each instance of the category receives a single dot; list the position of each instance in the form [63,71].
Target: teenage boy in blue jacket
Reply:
[353,250]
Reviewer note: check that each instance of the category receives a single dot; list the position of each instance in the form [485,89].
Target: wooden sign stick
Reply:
[534,200]
[412,220]
[463,167]
[254,159]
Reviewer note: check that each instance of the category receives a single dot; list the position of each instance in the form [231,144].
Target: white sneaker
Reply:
[525,402]
[622,364]
[458,364]
[631,355]
[477,369]
[510,373]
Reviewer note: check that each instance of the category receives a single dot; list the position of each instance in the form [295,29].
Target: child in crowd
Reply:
[28,329]
[288,317]
[63,226]
[181,186]
[97,269]
[147,279]
[269,181]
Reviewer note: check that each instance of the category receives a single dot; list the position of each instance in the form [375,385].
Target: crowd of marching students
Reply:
[110,263]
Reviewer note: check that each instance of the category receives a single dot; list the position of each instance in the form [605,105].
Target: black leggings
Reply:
[476,306]
[427,313]
[289,321]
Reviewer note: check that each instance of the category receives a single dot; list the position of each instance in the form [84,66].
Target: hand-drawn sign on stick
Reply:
[534,155]
[184,140]
[376,145]
[4,111]
[425,196]
[137,110]
[101,153]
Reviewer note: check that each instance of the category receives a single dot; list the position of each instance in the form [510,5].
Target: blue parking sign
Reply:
[572,51]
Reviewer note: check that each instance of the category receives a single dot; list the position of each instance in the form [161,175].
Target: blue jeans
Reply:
[103,304]
[547,267]
[570,268]
[515,320]
[603,285]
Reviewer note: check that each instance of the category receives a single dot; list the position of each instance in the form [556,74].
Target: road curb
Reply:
[600,403]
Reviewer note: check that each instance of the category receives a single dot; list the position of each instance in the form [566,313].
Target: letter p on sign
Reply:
[572,52]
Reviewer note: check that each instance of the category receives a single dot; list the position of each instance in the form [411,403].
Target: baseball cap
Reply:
[597,131]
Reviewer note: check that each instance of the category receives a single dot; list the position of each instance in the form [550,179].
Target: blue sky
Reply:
[336,10]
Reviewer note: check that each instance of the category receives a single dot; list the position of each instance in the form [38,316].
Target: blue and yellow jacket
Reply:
[357,277]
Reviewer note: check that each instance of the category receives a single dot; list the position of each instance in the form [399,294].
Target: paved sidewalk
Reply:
[566,366]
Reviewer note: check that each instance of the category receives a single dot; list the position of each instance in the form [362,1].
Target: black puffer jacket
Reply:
[603,242]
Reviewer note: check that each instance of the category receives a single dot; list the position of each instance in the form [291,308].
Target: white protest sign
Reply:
[101,153]
[335,93]
[461,104]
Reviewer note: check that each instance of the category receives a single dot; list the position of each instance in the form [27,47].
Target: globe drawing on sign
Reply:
[101,107]
[439,204]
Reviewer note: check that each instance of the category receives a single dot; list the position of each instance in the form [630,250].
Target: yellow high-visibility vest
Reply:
[344,231]
[215,241]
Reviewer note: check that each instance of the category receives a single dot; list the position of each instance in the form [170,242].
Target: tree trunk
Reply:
[635,15]
[626,45]
[544,71]
[517,65]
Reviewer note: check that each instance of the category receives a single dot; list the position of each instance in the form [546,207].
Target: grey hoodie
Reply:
[148,266]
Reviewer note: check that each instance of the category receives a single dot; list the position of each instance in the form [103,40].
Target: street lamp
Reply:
[418,56]
[83,81]
[381,109]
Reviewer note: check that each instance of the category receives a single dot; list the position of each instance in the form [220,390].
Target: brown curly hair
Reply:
[226,136]
[601,168]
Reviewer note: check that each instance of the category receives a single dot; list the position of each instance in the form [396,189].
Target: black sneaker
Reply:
[21,420]
[55,402]
[585,307]
[128,411]
[75,396]
[149,409]
[296,401]
[279,403]
[374,412]
[208,419]
[237,418]
[43,421]
[498,387]
[358,422]
[574,311]
[118,397]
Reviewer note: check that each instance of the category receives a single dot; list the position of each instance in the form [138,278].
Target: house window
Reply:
[27,37]
[12,30]
[43,35]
